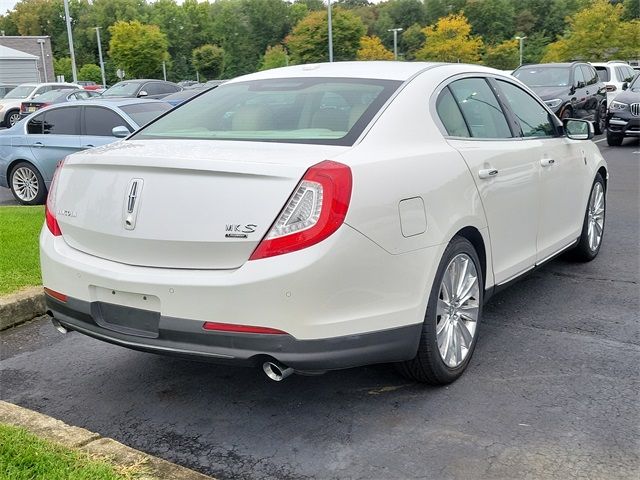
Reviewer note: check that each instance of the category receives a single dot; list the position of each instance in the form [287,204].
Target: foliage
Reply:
[138,49]
[371,48]
[308,41]
[274,57]
[208,60]
[90,72]
[450,40]
[411,41]
[596,33]
[494,20]
[504,56]
[631,10]
[62,66]
[397,14]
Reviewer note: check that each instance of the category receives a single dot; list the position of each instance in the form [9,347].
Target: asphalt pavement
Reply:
[551,392]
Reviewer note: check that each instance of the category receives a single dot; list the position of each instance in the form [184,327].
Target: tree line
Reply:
[227,38]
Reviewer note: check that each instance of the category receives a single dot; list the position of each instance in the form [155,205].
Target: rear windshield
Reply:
[143,113]
[543,76]
[20,92]
[52,95]
[329,111]
[603,73]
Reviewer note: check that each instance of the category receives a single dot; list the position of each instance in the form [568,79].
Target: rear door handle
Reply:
[487,173]
[38,145]
[547,162]
[88,145]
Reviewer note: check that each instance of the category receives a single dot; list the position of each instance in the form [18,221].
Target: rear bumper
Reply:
[185,338]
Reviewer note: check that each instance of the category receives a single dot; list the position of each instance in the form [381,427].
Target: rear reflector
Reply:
[228,327]
[58,296]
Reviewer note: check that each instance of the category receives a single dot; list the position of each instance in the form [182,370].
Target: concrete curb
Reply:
[59,432]
[21,307]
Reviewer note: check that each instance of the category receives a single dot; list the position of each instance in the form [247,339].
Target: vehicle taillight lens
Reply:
[229,327]
[50,207]
[316,210]
[57,295]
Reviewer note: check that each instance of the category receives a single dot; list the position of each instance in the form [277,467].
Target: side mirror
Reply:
[578,129]
[120,131]
[625,85]
[142,93]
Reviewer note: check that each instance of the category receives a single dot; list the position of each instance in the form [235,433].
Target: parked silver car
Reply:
[31,149]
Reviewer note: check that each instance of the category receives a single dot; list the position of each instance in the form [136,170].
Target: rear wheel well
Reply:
[475,237]
[13,164]
[5,120]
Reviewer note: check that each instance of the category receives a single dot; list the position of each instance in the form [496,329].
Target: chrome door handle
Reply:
[547,162]
[38,145]
[487,173]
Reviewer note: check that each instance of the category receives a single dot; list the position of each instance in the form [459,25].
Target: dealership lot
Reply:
[551,392]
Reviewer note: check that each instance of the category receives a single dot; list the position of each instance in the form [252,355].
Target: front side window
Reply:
[331,111]
[480,108]
[533,117]
[450,115]
[100,121]
[153,88]
[578,78]
[589,75]
[62,121]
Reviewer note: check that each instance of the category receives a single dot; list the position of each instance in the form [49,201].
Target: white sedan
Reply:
[320,217]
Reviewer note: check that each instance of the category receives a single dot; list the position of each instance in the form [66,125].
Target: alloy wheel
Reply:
[13,119]
[25,184]
[595,216]
[458,309]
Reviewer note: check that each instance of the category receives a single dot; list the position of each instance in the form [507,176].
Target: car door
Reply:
[53,135]
[591,91]
[97,124]
[579,97]
[563,182]
[502,165]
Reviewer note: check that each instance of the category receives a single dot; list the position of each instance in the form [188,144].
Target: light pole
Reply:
[70,36]
[521,39]
[395,41]
[330,30]
[104,80]
[44,60]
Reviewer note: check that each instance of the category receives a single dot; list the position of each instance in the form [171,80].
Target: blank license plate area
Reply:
[126,312]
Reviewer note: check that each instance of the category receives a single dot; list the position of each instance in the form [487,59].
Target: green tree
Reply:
[631,10]
[274,57]
[308,42]
[90,72]
[208,60]
[412,40]
[450,40]
[494,20]
[62,66]
[397,14]
[371,48]
[504,56]
[138,49]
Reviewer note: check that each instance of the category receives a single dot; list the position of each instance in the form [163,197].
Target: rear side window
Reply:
[533,118]
[450,115]
[603,73]
[480,108]
[143,113]
[100,121]
[62,121]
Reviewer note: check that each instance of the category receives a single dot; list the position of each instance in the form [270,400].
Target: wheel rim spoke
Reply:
[25,184]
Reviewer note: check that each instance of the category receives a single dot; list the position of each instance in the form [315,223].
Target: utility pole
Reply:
[104,80]
[44,60]
[330,30]
[67,17]
[521,47]
[395,41]
[164,70]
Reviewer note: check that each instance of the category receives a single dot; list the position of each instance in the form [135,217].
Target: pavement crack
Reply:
[586,277]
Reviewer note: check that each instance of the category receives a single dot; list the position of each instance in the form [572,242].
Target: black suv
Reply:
[571,90]
[623,119]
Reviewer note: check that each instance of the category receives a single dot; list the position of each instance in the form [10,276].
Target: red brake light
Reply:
[50,207]
[57,295]
[228,327]
[316,210]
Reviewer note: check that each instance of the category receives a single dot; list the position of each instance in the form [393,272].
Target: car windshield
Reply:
[143,113]
[543,76]
[20,92]
[331,111]
[51,95]
[122,89]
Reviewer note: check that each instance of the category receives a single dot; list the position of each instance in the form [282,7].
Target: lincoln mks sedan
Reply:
[321,217]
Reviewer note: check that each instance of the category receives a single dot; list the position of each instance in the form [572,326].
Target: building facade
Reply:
[38,46]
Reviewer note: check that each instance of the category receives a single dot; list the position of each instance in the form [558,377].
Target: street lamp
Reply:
[395,41]
[104,80]
[44,60]
[330,30]
[521,46]
[70,36]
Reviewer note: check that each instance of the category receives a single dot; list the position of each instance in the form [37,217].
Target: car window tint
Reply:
[533,117]
[35,125]
[603,73]
[578,78]
[143,113]
[62,121]
[100,121]
[480,108]
[154,88]
[589,74]
[450,115]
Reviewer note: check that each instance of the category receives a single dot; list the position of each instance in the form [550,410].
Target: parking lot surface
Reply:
[551,392]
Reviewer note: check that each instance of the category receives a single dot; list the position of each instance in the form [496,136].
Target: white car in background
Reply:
[614,75]
[10,104]
[320,217]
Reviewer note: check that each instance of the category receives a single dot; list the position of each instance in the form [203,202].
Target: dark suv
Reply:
[623,119]
[141,89]
[571,90]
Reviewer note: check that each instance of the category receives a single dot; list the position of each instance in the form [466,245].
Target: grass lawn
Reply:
[19,258]
[24,456]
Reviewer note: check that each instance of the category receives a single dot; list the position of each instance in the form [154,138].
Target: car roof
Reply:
[44,84]
[142,80]
[559,64]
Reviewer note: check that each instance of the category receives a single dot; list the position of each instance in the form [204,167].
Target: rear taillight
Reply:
[57,295]
[316,209]
[50,207]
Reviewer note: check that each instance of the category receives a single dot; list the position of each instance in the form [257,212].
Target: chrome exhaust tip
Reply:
[276,371]
[61,328]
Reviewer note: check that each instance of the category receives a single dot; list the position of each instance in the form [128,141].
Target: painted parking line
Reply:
[598,141]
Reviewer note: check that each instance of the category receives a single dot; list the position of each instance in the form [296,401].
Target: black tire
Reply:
[566,113]
[583,251]
[11,118]
[614,140]
[600,121]
[41,189]
[428,366]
